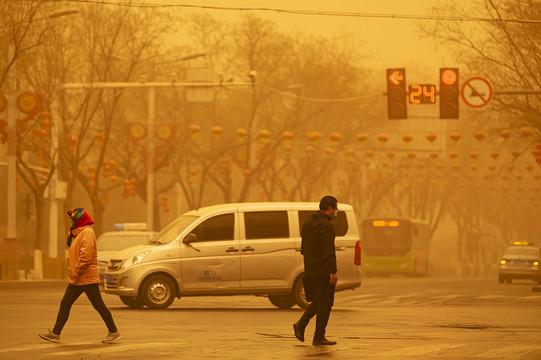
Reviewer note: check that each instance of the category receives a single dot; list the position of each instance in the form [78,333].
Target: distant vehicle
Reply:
[520,261]
[231,249]
[111,242]
[395,246]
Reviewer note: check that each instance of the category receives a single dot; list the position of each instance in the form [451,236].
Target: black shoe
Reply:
[323,341]
[299,331]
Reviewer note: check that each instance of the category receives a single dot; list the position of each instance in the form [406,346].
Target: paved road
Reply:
[394,318]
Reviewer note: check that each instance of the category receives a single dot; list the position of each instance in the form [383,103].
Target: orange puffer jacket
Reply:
[83,257]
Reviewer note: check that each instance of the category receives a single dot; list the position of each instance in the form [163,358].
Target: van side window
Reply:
[266,224]
[340,223]
[218,228]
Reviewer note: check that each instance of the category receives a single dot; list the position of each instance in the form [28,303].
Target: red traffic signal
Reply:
[396,94]
[449,93]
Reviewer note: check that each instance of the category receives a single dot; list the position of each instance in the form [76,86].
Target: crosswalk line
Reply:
[416,350]
[111,348]
[510,352]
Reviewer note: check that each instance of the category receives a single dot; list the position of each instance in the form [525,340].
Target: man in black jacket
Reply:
[320,276]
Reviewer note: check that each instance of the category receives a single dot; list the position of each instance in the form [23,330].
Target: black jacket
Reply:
[318,245]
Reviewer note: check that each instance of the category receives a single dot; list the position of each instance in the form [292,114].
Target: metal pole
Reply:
[150,156]
[53,198]
[11,150]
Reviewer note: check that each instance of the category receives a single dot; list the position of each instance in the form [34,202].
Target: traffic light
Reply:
[396,94]
[449,93]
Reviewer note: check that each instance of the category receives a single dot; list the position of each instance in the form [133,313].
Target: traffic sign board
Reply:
[476,92]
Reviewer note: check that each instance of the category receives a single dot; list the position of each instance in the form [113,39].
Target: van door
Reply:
[268,256]
[213,260]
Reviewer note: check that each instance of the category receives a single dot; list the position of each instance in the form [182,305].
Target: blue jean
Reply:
[72,293]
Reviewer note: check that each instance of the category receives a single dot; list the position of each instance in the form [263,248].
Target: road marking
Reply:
[416,350]
[511,351]
[110,348]
[41,345]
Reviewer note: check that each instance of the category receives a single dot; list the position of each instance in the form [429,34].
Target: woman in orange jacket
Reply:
[83,277]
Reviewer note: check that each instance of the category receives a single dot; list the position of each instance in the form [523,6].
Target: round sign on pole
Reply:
[476,92]
[28,102]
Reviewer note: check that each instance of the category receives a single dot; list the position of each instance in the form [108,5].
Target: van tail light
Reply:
[358,247]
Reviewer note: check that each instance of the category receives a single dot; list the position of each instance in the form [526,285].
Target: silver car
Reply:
[520,261]
[111,242]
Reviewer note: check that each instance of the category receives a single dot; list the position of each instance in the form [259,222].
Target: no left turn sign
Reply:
[476,92]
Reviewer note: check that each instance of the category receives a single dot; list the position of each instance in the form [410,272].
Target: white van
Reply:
[231,249]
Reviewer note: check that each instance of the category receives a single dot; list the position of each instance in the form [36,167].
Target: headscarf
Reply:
[79,217]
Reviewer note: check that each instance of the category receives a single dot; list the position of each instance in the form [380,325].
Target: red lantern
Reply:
[494,154]
[407,138]
[390,154]
[515,153]
[431,138]
[314,137]
[361,137]
[217,131]
[383,138]
[479,135]
[335,137]
[525,132]
[433,155]
[287,136]
[505,134]
[194,129]
[474,155]
[369,153]
[309,150]
[264,135]
[241,133]
[455,136]
[453,155]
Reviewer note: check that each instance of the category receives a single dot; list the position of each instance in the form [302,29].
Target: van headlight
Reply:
[134,260]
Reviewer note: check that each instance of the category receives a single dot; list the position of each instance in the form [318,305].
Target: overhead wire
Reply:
[308,12]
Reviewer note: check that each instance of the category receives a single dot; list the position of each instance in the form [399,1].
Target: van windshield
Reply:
[174,229]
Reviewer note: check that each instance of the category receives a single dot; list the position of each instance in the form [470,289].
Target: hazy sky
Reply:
[391,42]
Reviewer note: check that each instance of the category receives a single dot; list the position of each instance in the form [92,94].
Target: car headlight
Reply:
[503,262]
[535,263]
[134,260]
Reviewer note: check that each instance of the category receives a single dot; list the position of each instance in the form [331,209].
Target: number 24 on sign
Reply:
[422,94]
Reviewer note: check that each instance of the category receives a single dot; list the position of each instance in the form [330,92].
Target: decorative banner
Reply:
[28,102]
[166,131]
[136,131]
[3,102]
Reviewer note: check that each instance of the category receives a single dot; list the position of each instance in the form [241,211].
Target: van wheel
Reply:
[298,293]
[132,301]
[158,292]
[282,301]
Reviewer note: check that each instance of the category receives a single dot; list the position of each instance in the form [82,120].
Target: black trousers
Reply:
[321,293]
[72,293]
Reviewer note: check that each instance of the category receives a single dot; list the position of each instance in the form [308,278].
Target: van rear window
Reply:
[340,223]
[266,224]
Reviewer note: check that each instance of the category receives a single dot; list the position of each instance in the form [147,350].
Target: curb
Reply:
[17,284]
